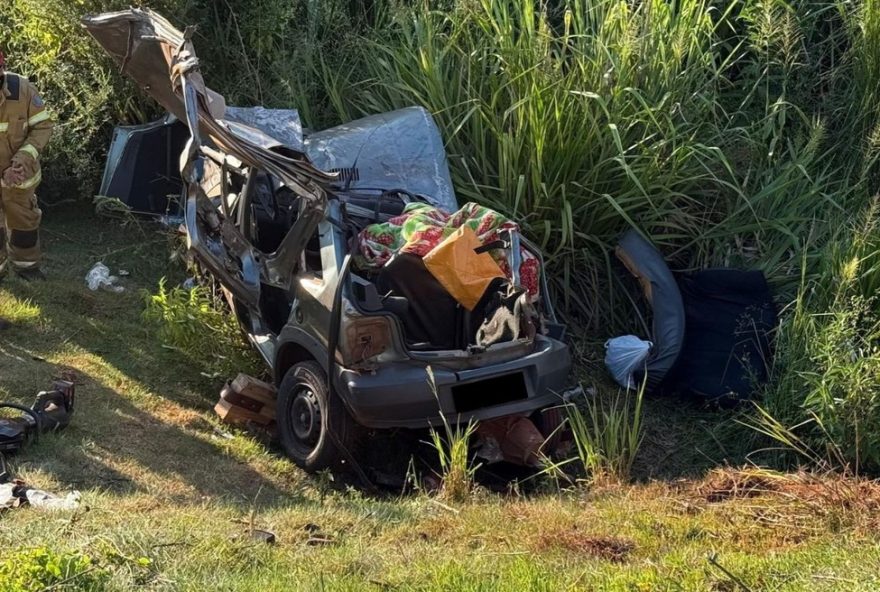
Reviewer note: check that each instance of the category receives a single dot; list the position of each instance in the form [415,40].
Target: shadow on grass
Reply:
[121,447]
[141,421]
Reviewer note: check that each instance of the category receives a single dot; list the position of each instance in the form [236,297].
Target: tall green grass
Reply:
[452,446]
[743,133]
[577,121]
[727,132]
[826,376]
[607,434]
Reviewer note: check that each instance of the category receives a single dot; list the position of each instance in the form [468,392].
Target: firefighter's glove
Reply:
[13,176]
[26,163]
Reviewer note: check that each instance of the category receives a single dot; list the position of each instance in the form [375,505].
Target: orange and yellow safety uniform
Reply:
[25,129]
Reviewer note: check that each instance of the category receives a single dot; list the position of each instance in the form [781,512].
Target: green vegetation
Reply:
[452,447]
[263,52]
[827,372]
[198,322]
[39,569]
[607,435]
[697,124]
[45,42]
[744,133]
[170,495]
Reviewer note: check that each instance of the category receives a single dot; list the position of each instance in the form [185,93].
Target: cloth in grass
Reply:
[421,227]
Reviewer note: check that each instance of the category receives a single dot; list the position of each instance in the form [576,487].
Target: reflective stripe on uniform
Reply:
[24,239]
[3,127]
[27,183]
[39,118]
[28,148]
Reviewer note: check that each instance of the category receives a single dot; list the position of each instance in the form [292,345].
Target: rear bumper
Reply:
[399,395]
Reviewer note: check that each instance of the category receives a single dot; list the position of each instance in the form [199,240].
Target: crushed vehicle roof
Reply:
[402,149]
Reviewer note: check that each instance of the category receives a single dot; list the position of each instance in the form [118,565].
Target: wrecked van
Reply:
[357,338]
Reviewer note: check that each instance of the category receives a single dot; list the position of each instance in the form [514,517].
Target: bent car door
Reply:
[163,62]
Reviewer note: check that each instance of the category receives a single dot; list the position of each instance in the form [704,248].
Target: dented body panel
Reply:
[268,212]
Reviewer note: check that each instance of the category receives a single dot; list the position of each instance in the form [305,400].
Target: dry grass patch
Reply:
[795,505]
[612,549]
[731,484]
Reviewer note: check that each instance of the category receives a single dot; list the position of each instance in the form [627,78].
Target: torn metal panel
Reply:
[153,53]
[163,61]
[284,125]
[402,149]
[142,169]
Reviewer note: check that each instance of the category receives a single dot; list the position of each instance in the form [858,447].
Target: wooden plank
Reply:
[236,415]
[255,389]
[247,404]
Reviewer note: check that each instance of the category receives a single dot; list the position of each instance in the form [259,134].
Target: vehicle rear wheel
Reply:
[315,428]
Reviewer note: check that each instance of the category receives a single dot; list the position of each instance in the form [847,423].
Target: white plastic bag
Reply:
[624,355]
[99,277]
[49,501]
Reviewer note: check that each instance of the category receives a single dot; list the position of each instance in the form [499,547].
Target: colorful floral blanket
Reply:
[421,227]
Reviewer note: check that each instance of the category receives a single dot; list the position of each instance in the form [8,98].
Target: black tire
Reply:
[315,428]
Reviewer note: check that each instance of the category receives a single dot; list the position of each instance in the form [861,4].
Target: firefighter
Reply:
[25,128]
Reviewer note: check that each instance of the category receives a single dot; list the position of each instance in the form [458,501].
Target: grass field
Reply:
[170,495]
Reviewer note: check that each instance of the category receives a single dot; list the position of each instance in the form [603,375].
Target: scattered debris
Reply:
[553,424]
[16,494]
[724,485]
[49,501]
[712,329]
[247,400]
[489,449]
[222,435]
[314,541]
[316,536]
[263,536]
[512,438]
[253,533]
[174,223]
[51,411]
[624,355]
[576,393]
[99,278]
[730,320]
[110,207]
[138,174]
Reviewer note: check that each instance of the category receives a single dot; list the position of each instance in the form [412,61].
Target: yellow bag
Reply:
[464,273]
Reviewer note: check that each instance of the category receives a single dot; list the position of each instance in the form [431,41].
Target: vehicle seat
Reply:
[432,315]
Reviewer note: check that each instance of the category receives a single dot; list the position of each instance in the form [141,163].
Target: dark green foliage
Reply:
[254,53]
[196,322]
[741,133]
